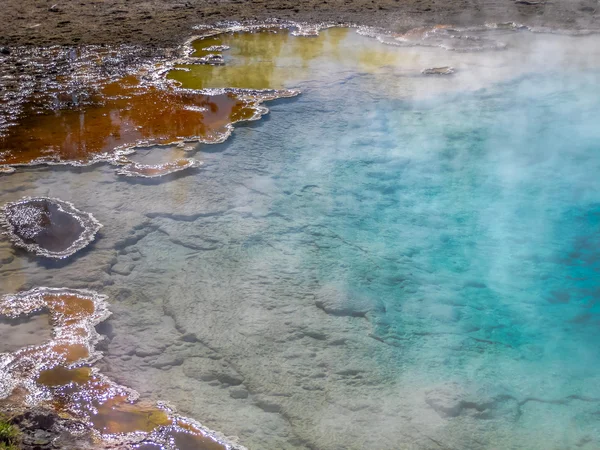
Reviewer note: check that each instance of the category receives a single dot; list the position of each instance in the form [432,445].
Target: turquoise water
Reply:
[466,230]
[486,204]
[367,267]
[487,201]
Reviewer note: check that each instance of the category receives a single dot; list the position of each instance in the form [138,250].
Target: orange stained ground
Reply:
[71,352]
[70,308]
[125,113]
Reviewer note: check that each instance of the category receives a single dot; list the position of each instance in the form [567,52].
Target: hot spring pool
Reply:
[388,261]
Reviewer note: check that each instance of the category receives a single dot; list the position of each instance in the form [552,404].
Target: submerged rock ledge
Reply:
[157,170]
[48,227]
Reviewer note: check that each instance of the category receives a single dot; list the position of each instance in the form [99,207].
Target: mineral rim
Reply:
[48,227]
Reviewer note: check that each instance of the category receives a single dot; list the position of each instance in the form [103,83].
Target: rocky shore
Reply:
[43,429]
[164,23]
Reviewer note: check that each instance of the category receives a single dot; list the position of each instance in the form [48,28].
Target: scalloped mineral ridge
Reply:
[48,227]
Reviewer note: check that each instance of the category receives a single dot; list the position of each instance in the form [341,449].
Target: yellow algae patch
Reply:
[274,58]
[253,62]
[117,415]
[61,376]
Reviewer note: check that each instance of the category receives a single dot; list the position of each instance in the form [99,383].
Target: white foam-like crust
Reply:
[6,169]
[432,37]
[90,226]
[446,70]
[134,169]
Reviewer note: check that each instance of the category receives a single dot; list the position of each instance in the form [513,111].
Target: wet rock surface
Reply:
[15,334]
[44,429]
[438,71]
[48,227]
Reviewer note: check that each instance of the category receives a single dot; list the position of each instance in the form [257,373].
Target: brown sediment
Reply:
[117,416]
[185,440]
[120,115]
[59,374]
[48,227]
[161,23]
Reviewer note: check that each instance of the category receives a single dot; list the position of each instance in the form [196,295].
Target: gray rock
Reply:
[238,393]
[446,70]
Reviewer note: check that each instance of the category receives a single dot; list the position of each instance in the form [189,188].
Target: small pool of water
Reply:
[389,260]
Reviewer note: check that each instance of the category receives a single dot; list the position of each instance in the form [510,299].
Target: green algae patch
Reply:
[9,435]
